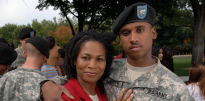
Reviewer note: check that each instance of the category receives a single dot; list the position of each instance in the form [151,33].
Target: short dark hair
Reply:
[73,48]
[61,52]
[51,39]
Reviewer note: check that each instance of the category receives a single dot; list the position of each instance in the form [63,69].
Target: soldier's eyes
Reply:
[139,30]
[125,33]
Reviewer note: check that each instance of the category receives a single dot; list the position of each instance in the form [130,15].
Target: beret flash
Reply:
[27,33]
[138,12]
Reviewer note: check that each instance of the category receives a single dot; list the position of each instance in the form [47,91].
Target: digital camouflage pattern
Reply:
[20,60]
[158,85]
[21,84]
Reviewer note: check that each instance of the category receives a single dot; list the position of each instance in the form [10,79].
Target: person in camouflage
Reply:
[23,83]
[140,71]
[24,35]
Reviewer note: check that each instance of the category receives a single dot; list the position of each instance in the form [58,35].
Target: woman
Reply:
[59,64]
[196,83]
[87,63]
[168,58]
[158,52]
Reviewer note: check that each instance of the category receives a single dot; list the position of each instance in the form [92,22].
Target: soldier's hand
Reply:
[52,92]
[128,96]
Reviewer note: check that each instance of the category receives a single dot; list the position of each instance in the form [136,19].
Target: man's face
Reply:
[136,39]
[23,43]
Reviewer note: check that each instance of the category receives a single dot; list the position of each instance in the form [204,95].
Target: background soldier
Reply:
[24,35]
[23,83]
[7,56]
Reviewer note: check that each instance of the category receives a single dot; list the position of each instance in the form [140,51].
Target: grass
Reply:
[180,64]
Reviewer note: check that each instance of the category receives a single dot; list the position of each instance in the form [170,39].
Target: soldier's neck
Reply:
[32,63]
[142,62]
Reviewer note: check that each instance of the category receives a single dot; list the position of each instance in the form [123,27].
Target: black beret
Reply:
[138,12]
[41,44]
[7,55]
[3,40]
[11,45]
[27,33]
[109,35]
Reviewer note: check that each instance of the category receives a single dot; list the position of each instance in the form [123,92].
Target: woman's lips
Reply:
[91,73]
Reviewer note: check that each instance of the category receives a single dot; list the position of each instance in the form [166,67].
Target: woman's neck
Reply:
[89,88]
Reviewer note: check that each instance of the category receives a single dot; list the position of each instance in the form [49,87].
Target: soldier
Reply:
[24,35]
[7,56]
[23,83]
[140,71]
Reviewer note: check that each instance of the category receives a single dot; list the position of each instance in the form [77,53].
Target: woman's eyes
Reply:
[86,58]
[100,59]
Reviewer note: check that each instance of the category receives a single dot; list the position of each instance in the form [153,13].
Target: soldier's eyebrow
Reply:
[125,29]
[139,26]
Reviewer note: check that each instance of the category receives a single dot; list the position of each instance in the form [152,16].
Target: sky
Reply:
[23,12]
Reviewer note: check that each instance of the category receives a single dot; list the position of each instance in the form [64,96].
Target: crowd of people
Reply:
[87,70]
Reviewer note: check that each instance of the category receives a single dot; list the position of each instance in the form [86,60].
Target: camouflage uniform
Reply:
[158,85]
[21,84]
[20,60]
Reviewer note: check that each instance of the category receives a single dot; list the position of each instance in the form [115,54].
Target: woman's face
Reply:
[90,62]
[160,55]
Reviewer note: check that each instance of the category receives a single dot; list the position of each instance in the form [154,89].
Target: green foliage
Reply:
[117,47]
[182,48]
[11,31]
[6,31]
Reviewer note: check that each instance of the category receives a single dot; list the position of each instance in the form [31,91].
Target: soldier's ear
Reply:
[154,33]
[24,53]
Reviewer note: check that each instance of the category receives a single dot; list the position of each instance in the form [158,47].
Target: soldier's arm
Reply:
[185,96]
[52,91]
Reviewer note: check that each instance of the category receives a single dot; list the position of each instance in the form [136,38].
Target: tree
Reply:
[62,35]
[7,30]
[198,7]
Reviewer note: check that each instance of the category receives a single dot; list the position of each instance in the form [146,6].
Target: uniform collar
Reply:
[29,70]
[149,79]
[80,92]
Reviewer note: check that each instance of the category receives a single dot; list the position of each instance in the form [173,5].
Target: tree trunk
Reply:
[71,26]
[80,15]
[198,46]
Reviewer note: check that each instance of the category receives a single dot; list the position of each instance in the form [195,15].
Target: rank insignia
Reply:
[32,33]
[141,11]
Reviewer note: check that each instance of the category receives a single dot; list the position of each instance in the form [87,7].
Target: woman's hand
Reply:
[52,91]
[128,96]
